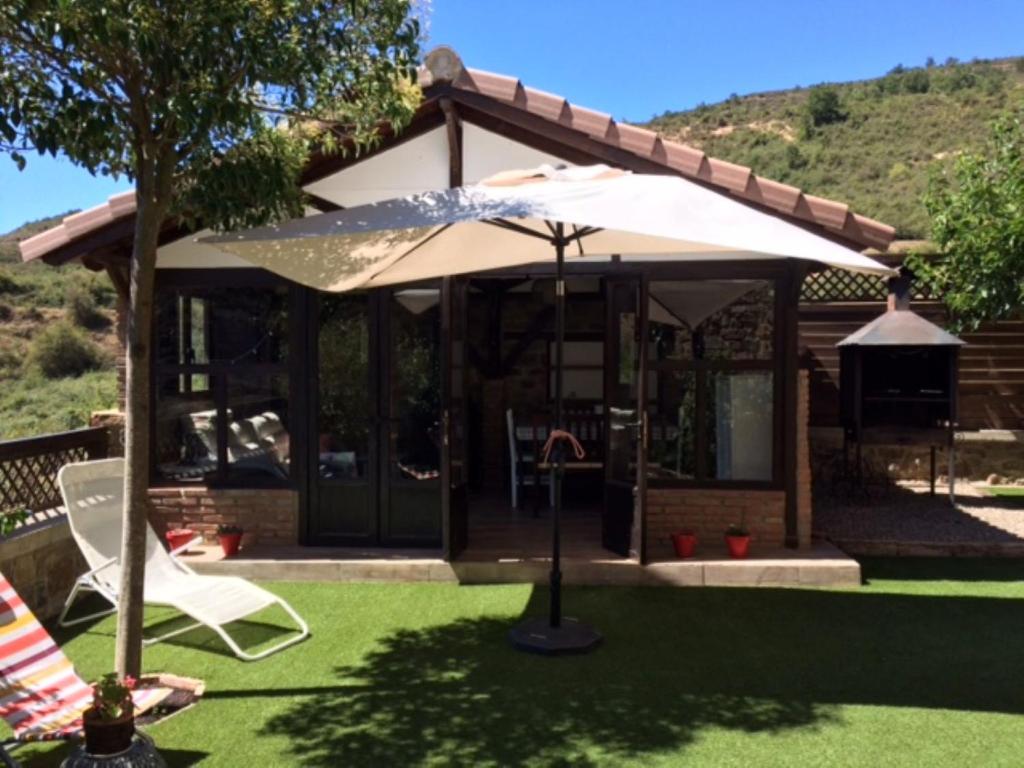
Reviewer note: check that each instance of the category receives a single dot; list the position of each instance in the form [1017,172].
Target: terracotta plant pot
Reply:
[684,542]
[739,546]
[230,542]
[107,737]
[179,537]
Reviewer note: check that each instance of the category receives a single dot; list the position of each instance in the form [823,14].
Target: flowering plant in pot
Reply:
[737,539]
[684,542]
[230,538]
[109,723]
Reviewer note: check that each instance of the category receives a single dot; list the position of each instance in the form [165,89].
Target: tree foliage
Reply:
[212,108]
[823,106]
[977,213]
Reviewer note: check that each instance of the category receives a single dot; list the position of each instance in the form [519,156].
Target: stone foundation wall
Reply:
[985,456]
[268,516]
[708,512]
[42,562]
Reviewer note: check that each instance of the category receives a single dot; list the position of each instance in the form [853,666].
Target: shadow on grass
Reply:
[941,569]
[675,663]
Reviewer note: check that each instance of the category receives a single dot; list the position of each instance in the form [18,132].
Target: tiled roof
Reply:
[737,180]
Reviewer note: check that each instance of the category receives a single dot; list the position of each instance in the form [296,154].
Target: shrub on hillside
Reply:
[7,283]
[823,107]
[6,313]
[81,305]
[62,350]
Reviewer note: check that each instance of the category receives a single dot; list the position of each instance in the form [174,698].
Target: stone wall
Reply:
[983,456]
[42,562]
[268,516]
[708,512]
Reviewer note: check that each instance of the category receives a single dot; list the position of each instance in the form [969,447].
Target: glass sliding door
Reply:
[344,509]
[625,472]
[413,431]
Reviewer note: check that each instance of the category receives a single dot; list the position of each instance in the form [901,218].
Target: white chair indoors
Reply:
[93,494]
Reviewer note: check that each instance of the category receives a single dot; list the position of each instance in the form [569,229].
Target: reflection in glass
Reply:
[236,325]
[344,401]
[186,431]
[258,440]
[740,425]
[672,443]
[415,406]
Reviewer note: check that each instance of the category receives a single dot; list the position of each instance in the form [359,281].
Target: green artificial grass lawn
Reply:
[1007,491]
[921,666]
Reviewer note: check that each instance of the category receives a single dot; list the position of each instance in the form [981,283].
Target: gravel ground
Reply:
[908,514]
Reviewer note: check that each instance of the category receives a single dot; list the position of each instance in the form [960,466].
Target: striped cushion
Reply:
[41,695]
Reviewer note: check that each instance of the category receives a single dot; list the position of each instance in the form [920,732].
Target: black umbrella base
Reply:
[536,635]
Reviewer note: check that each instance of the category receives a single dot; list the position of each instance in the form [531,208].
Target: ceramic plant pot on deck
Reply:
[684,543]
[230,538]
[179,537]
[737,539]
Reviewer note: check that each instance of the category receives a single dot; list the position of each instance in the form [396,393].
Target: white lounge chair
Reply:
[93,494]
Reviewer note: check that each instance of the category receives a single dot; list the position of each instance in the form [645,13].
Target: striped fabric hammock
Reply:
[42,698]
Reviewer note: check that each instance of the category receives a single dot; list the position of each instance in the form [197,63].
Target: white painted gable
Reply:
[416,165]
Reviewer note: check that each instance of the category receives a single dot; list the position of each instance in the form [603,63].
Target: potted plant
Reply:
[737,539]
[684,542]
[230,538]
[179,537]
[109,723]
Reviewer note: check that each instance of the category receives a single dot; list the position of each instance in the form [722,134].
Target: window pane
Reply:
[739,425]
[415,434]
[230,325]
[186,432]
[259,445]
[672,451]
[711,320]
[344,402]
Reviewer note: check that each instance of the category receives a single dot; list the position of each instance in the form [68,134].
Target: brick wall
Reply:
[708,512]
[268,516]
[804,511]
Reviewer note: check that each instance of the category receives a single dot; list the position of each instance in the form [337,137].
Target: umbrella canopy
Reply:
[481,227]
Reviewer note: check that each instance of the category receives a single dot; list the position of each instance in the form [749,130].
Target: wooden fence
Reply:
[28,467]
[834,305]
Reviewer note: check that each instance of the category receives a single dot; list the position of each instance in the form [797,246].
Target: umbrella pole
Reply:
[555,603]
[556,635]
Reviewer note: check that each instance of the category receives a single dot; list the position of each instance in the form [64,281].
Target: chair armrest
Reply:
[98,568]
[192,543]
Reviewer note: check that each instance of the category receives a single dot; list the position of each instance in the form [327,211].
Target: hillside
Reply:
[33,298]
[878,158]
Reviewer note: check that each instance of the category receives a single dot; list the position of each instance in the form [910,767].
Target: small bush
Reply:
[7,283]
[6,313]
[823,106]
[81,305]
[62,350]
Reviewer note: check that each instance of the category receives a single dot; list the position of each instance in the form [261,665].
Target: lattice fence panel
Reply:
[837,285]
[28,469]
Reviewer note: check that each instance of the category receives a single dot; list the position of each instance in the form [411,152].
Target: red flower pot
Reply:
[179,537]
[684,543]
[230,542]
[739,546]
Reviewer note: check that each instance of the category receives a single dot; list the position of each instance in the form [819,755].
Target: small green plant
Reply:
[82,306]
[737,530]
[229,530]
[112,697]
[11,519]
[61,350]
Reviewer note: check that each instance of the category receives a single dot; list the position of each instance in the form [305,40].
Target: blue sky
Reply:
[638,58]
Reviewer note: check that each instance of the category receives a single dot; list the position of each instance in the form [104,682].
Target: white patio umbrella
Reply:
[526,217]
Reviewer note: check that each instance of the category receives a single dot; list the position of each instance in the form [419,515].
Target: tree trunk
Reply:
[152,201]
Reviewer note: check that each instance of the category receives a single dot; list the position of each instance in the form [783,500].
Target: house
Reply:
[399,417]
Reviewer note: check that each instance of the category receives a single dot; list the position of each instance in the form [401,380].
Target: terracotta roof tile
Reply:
[737,180]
